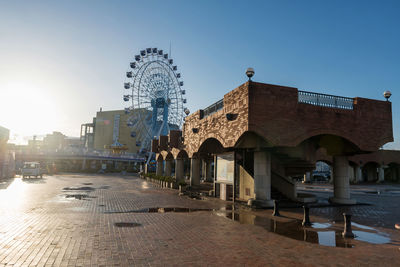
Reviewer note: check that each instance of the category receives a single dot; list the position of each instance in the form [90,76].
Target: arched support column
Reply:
[262,178]
[168,168]
[179,170]
[359,177]
[208,171]
[351,174]
[341,184]
[159,169]
[195,171]
[381,174]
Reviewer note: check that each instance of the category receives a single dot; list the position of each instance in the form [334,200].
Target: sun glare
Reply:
[27,108]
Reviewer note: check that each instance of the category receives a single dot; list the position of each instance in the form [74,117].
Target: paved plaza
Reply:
[115,220]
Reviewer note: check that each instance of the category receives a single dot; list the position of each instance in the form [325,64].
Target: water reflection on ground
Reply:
[319,233]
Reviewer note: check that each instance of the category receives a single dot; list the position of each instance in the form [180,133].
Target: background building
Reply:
[7,156]
[111,127]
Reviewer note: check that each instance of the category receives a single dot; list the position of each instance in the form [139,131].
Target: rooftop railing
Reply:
[323,100]
[213,108]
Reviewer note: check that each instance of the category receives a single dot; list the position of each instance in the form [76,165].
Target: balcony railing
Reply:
[330,101]
[213,108]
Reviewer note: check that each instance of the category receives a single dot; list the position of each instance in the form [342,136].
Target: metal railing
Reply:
[213,108]
[323,100]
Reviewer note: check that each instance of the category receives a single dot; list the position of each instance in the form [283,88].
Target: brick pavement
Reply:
[39,226]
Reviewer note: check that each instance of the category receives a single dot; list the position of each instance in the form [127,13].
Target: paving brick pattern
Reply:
[39,226]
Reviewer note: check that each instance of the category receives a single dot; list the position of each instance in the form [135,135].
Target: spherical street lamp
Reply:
[187,111]
[387,95]
[250,73]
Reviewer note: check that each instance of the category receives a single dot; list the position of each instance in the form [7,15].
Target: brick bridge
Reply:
[259,136]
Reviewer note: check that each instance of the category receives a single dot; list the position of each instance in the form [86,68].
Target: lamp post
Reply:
[387,95]
[250,73]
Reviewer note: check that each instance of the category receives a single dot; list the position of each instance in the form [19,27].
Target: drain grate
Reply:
[126,224]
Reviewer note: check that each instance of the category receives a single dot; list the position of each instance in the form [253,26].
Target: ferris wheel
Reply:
[156,97]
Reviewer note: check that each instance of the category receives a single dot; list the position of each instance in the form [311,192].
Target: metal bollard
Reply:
[276,209]
[347,226]
[306,219]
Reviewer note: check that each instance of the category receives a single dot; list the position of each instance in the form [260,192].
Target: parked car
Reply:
[31,169]
[321,175]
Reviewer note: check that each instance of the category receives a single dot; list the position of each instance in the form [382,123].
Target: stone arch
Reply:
[211,146]
[164,154]
[207,136]
[251,139]
[168,156]
[392,172]
[159,157]
[333,144]
[369,173]
[181,154]
[327,133]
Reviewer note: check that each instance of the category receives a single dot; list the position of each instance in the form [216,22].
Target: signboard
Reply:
[116,128]
[225,168]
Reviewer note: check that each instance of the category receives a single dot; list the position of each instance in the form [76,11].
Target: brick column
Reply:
[179,170]
[168,168]
[195,171]
[159,170]
[341,185]
[262,178]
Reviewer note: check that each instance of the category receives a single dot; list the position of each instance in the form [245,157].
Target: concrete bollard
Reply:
[306,218]
[276,209]
[347,226]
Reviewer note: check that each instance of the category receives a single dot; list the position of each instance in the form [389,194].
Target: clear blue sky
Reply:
[63,60]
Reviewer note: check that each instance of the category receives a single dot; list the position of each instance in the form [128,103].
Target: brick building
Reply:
[259,136]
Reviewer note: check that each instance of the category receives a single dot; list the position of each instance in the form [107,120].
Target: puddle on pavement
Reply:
[83,188]
[126,224]
[160,210]
[353,224]
[79,196]
[163,210]
[321,225]
[385,191]
[373,238]
[373,192]
[318,233]
[104,187]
